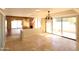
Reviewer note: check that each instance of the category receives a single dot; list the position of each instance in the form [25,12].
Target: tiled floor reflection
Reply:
[40,42]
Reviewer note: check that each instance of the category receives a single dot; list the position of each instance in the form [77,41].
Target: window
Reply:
[37,23]
[6,26]
[16,24]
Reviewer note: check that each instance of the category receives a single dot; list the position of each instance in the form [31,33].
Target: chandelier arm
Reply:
[48,17]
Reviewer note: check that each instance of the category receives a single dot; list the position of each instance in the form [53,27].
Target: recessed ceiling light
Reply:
[37,10]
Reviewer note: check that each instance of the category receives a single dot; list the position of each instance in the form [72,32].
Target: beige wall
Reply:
[43,24]
[77,32]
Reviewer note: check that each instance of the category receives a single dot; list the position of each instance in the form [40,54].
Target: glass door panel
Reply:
[49,26]
[69,27]
[57,26]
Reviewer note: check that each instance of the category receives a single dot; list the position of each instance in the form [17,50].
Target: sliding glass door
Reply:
[57,26]
[69,27]
[49,26]
[65,26]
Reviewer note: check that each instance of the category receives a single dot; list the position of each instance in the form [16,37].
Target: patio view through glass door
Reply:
[49,26]
[57,26]
[63,26]
[69,27]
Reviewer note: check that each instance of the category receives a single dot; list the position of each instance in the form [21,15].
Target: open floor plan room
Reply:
[39,29]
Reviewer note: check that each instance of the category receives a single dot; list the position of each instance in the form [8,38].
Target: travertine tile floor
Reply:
[40,42]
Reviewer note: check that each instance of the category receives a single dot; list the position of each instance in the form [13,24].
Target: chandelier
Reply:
[48,17]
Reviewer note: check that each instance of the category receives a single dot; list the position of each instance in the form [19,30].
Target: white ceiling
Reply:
[31,12]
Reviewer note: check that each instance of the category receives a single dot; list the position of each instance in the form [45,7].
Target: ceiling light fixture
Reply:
[48,17]
[37,10]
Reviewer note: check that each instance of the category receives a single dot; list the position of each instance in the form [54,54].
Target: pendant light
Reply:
[48,17]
